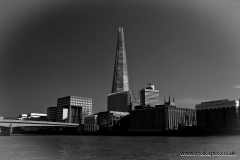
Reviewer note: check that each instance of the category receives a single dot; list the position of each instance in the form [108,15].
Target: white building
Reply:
[149,96]
[22,116]
[36,115]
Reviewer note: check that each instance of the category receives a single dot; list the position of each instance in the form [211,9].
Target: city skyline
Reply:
[56,49]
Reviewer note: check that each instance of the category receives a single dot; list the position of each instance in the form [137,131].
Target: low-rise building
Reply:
[108,119]
[161,118]
[218,115]
[91,124]
[23,116]
[36,115]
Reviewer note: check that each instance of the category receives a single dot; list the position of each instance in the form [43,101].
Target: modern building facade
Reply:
[149,97]
[51,114]
[218,115]
[91,124]
[161,118]
[120,97]
[107,120]
[73,109]
[120,75]
[120,101]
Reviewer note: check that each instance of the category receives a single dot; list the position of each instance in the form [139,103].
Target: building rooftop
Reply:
[74,97]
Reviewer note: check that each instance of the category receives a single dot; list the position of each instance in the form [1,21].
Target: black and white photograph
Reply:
[119,79]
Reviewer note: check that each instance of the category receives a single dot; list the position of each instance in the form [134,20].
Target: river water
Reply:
[113,147]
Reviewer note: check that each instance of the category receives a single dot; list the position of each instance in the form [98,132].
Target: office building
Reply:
[73,109]
[149,97]
[161,118]
[120,97]
[120,75]
[91,123]
[51,114]
[120,101]
[23,116]
[108,119]
[218,115]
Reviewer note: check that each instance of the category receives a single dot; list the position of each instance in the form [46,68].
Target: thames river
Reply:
[114,147]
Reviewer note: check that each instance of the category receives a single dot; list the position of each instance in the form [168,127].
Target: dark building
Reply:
[91,123]
[108,119]
[149,96]
[161,118]
[218,115]
[73,109]
[135,103]
[51,114]
[120,101]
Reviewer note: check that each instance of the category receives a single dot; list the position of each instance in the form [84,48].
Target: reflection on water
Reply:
[113,147]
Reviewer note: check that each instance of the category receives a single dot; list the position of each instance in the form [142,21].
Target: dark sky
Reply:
[53,49]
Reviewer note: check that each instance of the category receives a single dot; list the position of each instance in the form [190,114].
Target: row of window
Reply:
[83,100]
[81,104]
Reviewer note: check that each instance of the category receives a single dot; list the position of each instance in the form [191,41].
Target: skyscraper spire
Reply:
[169,100]
[120,75]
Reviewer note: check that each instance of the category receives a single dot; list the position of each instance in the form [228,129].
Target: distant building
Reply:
[23,116]
[108,119]
[120,101]
[218,115]
[149,96]
[51,114]
[36,115]
[91,124]
[161,118]
[73,109]
[134,104]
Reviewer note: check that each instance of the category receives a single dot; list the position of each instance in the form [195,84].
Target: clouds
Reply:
[236,86]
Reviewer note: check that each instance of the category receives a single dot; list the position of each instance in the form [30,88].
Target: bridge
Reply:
[7,125]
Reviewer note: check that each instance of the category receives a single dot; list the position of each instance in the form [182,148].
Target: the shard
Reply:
[120,76]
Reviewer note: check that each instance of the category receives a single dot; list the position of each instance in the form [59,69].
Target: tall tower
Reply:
[120,75]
